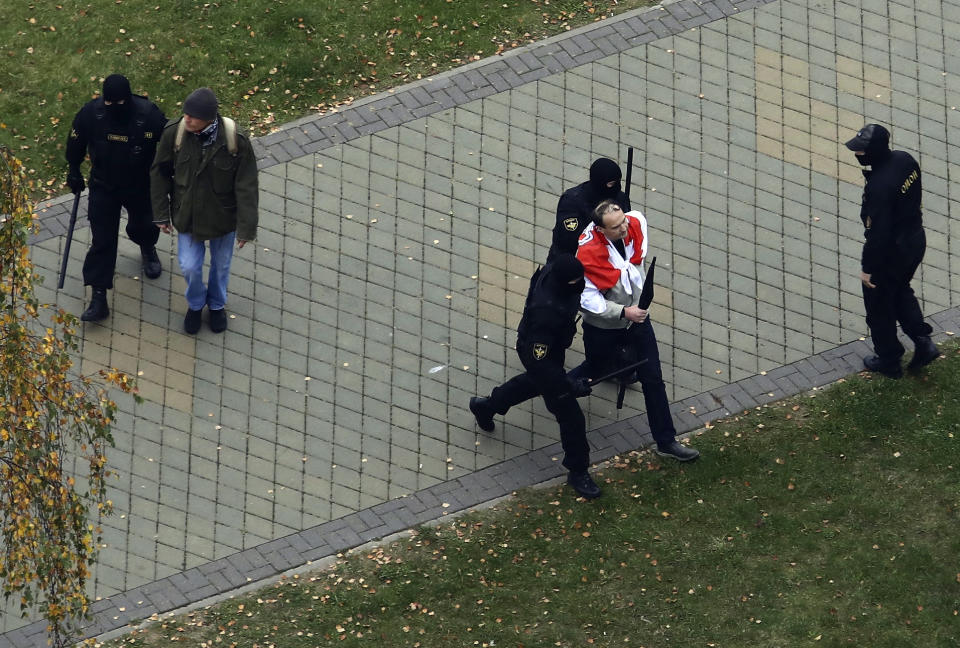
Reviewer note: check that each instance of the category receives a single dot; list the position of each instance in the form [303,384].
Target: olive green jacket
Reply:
[206,192]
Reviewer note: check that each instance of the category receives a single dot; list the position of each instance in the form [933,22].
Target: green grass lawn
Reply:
[827,520]
[269,61]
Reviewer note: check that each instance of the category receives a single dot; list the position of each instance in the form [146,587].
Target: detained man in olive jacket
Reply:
[204,182]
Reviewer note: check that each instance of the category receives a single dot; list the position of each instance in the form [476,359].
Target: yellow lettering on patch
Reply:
[113,137]
[909,181]
[570,224]
[148,135]
[540,350]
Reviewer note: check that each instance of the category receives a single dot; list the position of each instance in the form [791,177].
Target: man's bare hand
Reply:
[866,279]
[165,228]
[635,314]
[240,243]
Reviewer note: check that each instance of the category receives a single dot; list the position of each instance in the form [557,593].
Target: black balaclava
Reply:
[116,88]
[602,171]
[874,141]
[564,269]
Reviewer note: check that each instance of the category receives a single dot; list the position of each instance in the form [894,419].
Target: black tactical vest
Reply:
[121,151]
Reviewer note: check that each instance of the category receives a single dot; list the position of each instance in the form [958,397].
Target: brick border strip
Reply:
[259,564]
[456,87]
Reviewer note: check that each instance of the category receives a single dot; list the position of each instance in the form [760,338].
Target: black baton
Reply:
[629,367]
[626,189]
[66,249]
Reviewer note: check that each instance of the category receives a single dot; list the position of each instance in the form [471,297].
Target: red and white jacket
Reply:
[612,282]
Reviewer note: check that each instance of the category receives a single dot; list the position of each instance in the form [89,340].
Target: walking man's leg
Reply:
[518,389]
[142,231]
[99,265]
[880,306]
[907,307]
[190,254]
[221,255]
[655,394]
[573,438]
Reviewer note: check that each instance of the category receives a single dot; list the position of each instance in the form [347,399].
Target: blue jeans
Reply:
[190,253]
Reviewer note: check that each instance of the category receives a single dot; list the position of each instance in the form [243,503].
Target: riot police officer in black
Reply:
[894,247]
[575,209]
[546,330]
[120,131]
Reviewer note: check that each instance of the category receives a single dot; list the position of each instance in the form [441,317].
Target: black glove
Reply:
[75,180]
[580,387]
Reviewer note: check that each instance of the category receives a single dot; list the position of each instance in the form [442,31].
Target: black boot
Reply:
[677,451]
[191,321]
[890,369]
[98,309]
[924,352]
[151,262]
[581,482]
[218,321]
[482,412]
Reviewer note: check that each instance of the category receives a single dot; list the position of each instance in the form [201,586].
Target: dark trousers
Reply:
[893,301]
[608,349]
[103,209]
[547,378]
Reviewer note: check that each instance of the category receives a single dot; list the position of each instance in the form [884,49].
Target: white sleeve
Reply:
[591,299]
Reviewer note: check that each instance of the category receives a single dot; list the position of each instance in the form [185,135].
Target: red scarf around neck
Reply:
[595,249]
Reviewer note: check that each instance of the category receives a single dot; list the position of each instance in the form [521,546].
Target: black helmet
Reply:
[874,141]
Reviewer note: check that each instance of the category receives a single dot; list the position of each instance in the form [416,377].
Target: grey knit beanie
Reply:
[201,104]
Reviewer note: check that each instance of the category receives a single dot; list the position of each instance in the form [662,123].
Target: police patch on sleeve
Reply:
[540,351]
[570,224]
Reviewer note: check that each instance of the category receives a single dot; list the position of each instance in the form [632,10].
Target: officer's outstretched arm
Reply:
[566,231]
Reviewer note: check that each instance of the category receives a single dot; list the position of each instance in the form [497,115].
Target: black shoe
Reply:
[151,262]
[581,482]
[98,309]
[924,353]
[677,451]
[481,411]
[218,320]
[888,369]
[191,322]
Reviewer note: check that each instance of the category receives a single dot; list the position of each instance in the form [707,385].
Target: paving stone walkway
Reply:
[397,237]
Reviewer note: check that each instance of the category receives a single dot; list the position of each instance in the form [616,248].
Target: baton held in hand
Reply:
[66,249]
